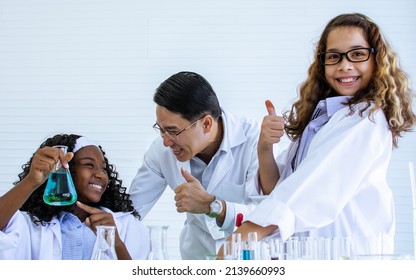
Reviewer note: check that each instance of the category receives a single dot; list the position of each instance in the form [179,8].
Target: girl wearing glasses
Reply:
[351,110]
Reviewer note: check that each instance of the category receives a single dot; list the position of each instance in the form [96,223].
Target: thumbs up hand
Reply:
[272,128]
[191,196]
[187,176]
[270,108]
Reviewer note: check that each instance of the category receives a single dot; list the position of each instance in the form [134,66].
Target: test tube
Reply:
[292,248]
[236,244]
[228,250]
[275,246]
[245,252]
[265,250]
[252,245]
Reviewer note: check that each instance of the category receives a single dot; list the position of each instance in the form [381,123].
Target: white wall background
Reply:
[90,67]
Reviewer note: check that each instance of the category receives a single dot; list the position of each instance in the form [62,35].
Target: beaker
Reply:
[158,243]
[104,247]
[60,189]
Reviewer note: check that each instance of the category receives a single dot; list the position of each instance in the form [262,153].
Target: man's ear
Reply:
[207,122]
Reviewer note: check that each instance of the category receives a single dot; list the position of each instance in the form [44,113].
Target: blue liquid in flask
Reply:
[60,189]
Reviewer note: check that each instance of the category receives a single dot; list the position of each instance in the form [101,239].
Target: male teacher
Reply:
[206,155]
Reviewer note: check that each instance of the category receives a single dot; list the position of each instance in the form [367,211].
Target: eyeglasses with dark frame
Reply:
[354,56]
[173,135]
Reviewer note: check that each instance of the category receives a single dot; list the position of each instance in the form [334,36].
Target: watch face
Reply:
[215,208]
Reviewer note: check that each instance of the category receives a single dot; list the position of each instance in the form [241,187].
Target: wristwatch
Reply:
[215,208]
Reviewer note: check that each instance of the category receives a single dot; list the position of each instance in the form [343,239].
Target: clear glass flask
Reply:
[60,189]
[104,247]
[158,243]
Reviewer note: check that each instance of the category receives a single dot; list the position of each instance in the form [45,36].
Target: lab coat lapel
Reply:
[224,165]
[233,136]
[56,231]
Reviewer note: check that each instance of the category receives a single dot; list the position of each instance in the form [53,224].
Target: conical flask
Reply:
[60,189]
[158,243]
[104,247]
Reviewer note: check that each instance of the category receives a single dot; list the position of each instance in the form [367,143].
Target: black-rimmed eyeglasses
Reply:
[174,135]
[354,55]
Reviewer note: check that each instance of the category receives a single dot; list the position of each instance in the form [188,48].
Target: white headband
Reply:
[83,142]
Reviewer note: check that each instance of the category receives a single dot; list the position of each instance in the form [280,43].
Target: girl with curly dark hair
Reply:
[32,229]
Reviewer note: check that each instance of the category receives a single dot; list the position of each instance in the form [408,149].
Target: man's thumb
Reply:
[186,175]
[270,108]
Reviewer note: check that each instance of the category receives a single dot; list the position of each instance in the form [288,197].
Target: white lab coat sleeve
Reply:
[15,239]
[149,184]
[251,197]
[235,208]
[340,158]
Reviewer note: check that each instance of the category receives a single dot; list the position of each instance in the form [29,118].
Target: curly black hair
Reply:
[114,198]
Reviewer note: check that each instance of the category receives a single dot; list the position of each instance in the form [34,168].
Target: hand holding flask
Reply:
[60,189]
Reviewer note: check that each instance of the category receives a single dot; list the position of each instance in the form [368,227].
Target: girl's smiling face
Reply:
[91,178]
[347,77]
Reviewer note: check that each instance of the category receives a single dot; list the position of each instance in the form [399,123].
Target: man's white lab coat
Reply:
[237,165]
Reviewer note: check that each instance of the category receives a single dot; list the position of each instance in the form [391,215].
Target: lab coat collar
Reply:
[233,134]
[334,104]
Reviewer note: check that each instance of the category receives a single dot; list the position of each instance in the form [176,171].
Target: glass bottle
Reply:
[158,243]
[60,189]
[104,247]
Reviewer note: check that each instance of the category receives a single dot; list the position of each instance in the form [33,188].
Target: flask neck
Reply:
[58,166]
[106,233]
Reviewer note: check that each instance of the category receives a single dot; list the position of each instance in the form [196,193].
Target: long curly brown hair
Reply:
[389,88]
[114,198]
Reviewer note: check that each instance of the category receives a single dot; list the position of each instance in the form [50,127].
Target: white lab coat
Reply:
[340,188]
[21,239]
[238,165]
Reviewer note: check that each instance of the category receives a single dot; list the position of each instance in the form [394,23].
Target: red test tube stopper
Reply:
[239,219]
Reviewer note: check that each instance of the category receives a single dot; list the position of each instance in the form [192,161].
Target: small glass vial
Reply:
[250,248]
[229,250]
[60,189]
[237,246]
[158,243]
[104,247]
